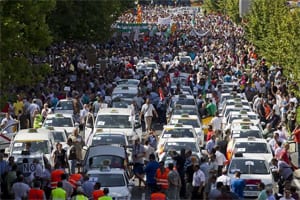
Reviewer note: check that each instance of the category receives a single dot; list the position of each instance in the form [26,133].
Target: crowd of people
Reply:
[219,52]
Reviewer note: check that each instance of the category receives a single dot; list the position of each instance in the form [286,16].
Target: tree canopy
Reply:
[24,33]
[273,28]
[85,20]
[29,27]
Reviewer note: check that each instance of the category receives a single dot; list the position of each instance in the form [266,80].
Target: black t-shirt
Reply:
[189,173]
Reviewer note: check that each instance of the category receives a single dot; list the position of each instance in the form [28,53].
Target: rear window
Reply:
[248,147]
[178,133]
[246,166]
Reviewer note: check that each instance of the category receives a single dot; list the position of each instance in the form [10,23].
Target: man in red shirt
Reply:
[285,155]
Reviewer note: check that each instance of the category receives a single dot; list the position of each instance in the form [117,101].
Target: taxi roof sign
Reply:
[32,130]
[58,115]
[178,125]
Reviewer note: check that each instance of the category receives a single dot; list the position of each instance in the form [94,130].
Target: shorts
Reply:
[138,168]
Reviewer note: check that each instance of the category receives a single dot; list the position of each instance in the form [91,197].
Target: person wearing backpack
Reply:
[72,156]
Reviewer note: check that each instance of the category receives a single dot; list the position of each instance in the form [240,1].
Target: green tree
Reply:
[24,32]
[86,20]
[274,29]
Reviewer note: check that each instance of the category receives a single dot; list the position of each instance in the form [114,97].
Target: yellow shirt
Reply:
[58,194]
[18,106]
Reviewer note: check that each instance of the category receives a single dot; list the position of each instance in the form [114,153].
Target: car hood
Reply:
[119,191]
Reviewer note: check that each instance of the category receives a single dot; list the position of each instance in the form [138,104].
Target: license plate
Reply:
[251,193]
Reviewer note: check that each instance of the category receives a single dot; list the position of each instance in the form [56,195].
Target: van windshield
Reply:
[41,146]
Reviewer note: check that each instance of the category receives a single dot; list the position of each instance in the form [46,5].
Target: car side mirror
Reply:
[293,147]
[85,148]
[7,150]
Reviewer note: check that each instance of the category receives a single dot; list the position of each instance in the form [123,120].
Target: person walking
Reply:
[198,182]
[238,185]
[138,154]
[60,156]
[78,142]
[147,111]
[162,176]
[72,156]
[174,183]
[150,171]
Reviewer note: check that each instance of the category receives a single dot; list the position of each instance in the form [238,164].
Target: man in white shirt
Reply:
[20,189]
[220,159]
[216,122]
[148,151]
[148,110]
[224,178]
[198,181]
[7,122]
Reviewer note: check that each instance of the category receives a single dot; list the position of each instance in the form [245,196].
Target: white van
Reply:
[41,142]
[110,120]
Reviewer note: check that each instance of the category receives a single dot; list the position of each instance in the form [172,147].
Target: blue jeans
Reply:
[72,166]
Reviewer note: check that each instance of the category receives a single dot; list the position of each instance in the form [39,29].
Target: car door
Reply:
[294,152]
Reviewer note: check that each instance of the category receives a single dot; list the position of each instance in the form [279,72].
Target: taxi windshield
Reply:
[114,161]
[104,139]
[36,147]
[177,146]
[178,133]
[113,121]
[248,166]
[59,122]
[109,180]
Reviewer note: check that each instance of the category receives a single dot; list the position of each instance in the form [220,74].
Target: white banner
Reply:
[195,33]
[164,21]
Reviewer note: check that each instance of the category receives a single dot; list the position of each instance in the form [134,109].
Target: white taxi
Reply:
[177,131]
[249,147]
[60,122]
[41,141]
[192,120]
[254,169]
[238,115]
[176,144]
[116,180]
[110,120]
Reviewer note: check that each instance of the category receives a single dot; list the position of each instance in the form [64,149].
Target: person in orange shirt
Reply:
[97,193]
[158,195]
[162,176]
